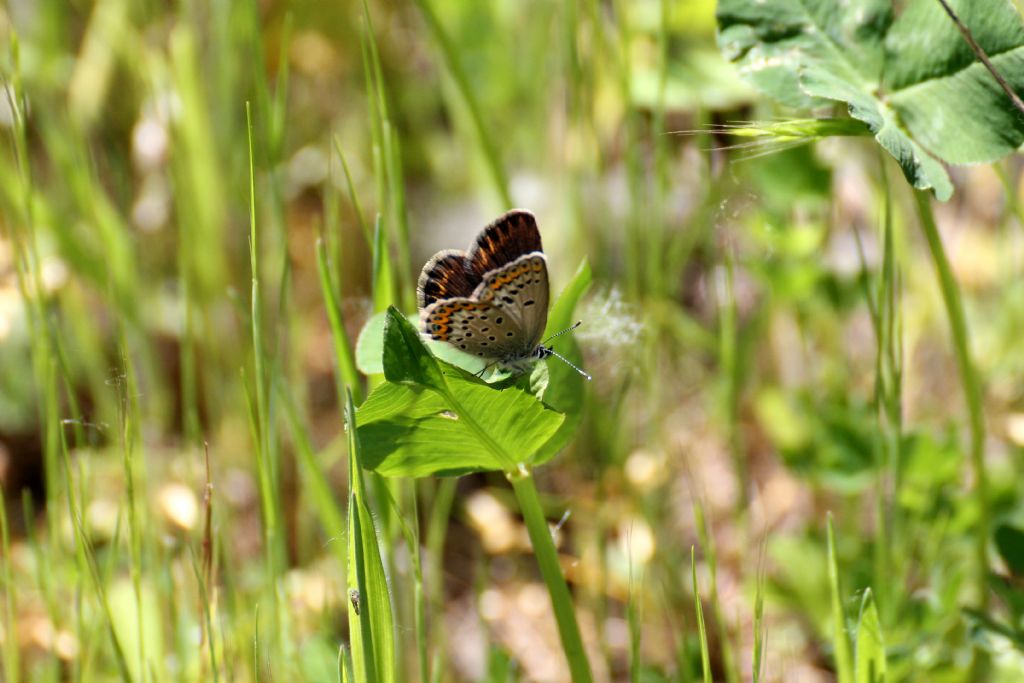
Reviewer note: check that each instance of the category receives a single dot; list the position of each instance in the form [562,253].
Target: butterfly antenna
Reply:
[559,334]
[565,360]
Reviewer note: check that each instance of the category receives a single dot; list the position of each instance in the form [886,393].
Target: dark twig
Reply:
[966,32]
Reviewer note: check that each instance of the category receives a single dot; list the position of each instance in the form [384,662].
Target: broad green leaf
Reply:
[921,170]
[945,97]
[911,79]
[410,430]
[434,418]
[773,41]
[370,618]
[870,659]
[406,359]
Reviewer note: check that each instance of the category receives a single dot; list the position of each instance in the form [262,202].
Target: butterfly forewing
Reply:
[502,242]
[520,289]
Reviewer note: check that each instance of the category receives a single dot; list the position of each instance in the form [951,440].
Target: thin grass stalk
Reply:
[760,636]
[30,281]
[707,541]
[364,226]
[453,65]
[971,387]
[205,614]
[728,353]
[205,576]
[890,406]
[658,274]
[262,429]
[400,217]
[636,228]
[419,596]
[437,530]
[547,558]
[634,621]
[702,632]
[87,564]
[375,116]
[256,647]
[11,659]
[410,532]
[840,639]
[127,388]
[344,354]
[393,198]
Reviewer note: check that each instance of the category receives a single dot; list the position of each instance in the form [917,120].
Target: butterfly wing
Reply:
[502,242]
[520,289]
[503,319]
[478,328]
[443,277]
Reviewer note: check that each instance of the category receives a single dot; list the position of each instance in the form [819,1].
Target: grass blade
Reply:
[702,632]
[840,640]
[870,663]
[453,65]
[370,610]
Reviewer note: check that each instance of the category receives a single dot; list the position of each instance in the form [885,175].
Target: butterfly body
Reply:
[492,301]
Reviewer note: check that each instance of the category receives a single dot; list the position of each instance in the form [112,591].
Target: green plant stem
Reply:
[971,384]
[547,558]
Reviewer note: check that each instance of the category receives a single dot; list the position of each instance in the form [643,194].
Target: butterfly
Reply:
[491,302]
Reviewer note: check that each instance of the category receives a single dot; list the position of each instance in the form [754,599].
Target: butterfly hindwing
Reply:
[520,289]
[443,277]
[474,327]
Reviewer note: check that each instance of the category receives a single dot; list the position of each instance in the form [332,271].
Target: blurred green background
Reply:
[742,389]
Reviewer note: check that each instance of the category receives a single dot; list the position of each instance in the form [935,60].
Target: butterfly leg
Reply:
[485,369]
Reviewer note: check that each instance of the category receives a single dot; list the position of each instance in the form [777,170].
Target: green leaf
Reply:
[405,357]
[945,97]
[433,418]
[370,618]
[413,431]
[840,641]
[773,41]
[911,79]
[870,661]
